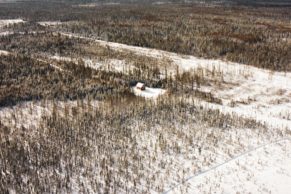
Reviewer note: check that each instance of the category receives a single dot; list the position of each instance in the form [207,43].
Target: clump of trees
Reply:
[258,36]
[240,35]
[32,76]
[26,79]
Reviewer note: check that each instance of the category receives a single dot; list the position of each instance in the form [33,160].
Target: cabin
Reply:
[140,86]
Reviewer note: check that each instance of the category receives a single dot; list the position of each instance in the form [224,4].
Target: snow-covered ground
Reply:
[29,114]
[264,170]
[149,92]
[247,91]
[114,65]
[50,23]
[10,21]
[4,52]
[178,166]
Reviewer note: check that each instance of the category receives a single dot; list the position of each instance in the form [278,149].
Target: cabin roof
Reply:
[140,85]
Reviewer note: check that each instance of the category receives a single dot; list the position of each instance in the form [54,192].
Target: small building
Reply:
[140,86]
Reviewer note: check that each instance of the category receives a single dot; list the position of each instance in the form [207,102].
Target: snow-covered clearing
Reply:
[29,114]
[8,33]
[149,92]
[247,91]
[114,65]
[118,46]
[90,5]
[7,22]
[2,52]
[50,23]
[264,170]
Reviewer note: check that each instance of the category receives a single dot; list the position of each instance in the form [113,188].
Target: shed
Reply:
[140,86]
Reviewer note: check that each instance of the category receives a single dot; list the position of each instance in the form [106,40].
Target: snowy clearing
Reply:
[4,52]
[114,65]
[249,91]
[265,170]
[149,92]
[50,23]
[7,22]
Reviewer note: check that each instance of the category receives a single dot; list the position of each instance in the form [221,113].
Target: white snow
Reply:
[265,170]
[6,33]
[2,52]
[50,23]
[115,65]
[149,92]
[10,21]
[243,82]
[61,58]
[248,92]
[90,5]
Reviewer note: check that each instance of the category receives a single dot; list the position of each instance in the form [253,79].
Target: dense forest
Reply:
[253,36]
[73,121]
